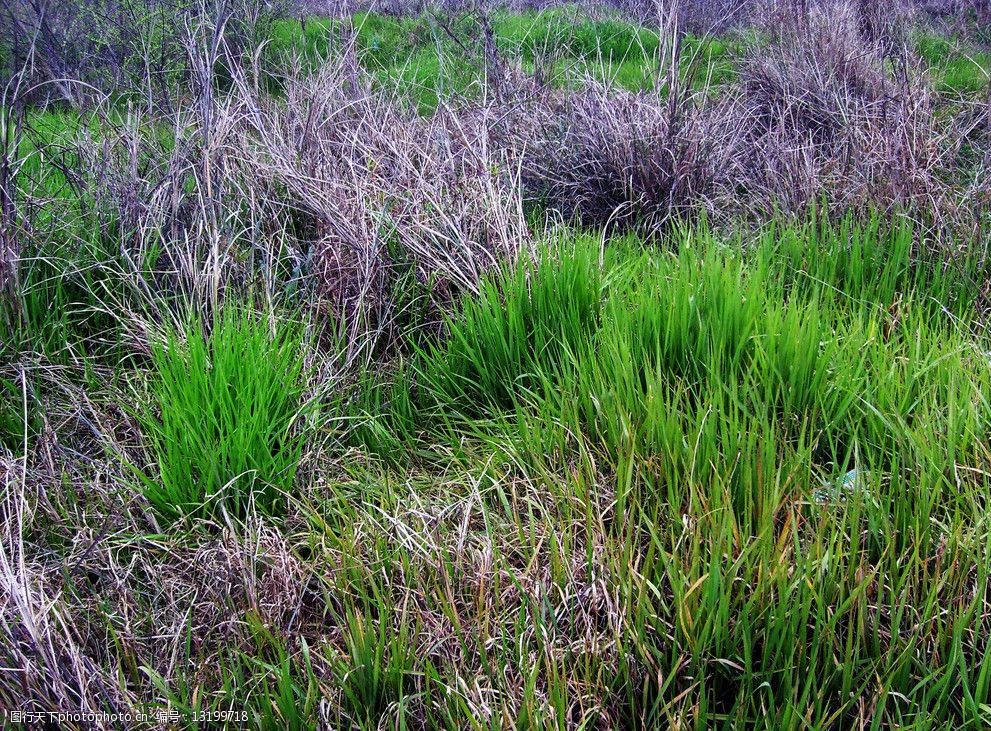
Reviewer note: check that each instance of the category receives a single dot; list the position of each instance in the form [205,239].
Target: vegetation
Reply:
[222,417]
[490,368]
[689,420]
[423,57]
[956,70]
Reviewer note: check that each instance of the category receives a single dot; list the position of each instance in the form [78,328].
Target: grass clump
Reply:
[222,419]
[503,339]
[20,411]
[497,348]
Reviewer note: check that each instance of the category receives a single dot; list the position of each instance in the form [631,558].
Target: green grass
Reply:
[20,411]
[76,252]
[611,50]
[956,69]
[417,58]
[722,397]
[223,417]
[568,32]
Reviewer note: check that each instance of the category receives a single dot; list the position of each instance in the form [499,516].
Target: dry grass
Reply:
[403,213]
[829,122]
[606,157]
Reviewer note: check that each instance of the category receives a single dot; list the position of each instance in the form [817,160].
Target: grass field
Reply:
[423,57]
[538,370]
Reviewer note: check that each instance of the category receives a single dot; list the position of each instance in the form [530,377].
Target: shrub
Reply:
[826,121]
[222,420]
[404,214]
[607,157]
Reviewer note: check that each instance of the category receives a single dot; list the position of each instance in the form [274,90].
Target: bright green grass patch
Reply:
[507,337]
[612,49]
[704,64]
[955,70]
[222,420]
[313,40]
[965,74]
[567,32]
[786,305]
[428,77]
[382,41]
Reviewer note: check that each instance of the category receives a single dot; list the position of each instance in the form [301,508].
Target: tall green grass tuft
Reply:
[503,341]
[222,420]
[498,347]
[20,410]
